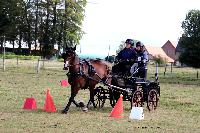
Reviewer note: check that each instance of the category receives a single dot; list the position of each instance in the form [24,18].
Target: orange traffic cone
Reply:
[49,104]
[30,103]
[118,109]
[64,83]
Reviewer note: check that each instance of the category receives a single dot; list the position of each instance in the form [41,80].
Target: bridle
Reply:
[71,65]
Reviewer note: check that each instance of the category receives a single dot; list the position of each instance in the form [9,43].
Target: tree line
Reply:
[41,24]
[189,42]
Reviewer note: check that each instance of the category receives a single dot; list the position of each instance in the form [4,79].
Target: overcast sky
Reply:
[108,22]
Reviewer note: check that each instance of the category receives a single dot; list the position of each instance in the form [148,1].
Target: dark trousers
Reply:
[122,68]
[142,72]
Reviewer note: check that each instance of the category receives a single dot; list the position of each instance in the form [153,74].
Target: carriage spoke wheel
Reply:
[137,99]
[99,97]
[152,101]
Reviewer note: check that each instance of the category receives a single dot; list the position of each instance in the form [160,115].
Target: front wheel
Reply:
[152,101]
[137,99]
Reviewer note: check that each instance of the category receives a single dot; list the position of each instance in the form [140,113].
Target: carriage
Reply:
[83,74]
[137,91]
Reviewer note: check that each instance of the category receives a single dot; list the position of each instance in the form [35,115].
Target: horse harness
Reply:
[91,72]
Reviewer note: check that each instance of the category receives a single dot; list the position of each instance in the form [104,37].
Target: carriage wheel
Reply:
[137,99]
[99,97]
[152,101]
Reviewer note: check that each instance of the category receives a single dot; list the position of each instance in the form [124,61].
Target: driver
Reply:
[127,53]
[125,58]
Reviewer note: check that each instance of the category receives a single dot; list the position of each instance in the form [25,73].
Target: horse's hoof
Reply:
[81,104]
[84,109]
[63,112]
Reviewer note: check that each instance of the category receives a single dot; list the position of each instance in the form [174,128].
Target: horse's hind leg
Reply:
[71,99]
[90,101]
[91,98]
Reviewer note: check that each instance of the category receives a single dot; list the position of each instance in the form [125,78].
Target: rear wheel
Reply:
[99,97]
[152,101]
[137,99]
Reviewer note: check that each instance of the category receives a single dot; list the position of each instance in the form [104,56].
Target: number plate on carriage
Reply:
[66,64]
[139,58]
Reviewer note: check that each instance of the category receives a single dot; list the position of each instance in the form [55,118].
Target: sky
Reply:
[108,22]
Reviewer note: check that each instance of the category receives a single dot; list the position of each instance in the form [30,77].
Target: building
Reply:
[169,48]
[156,52]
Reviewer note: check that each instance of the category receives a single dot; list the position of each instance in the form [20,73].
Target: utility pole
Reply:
[108,53]
[4,43]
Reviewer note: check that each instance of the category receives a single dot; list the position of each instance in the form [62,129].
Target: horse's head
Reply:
[68,56]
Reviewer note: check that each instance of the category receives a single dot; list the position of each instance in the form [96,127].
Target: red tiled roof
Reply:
[157,51]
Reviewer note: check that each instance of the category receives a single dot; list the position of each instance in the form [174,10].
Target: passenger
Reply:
[142,59]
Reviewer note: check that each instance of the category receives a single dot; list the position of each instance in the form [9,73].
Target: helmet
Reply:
[139,44]
[130,41]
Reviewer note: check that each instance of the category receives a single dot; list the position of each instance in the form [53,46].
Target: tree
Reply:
[121,46]
[73,17]
[9,14]
[61,26]
[110,59]
[190,39]
[40,22]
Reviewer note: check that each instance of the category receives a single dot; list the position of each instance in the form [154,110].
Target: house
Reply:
[169,48]
[155,52]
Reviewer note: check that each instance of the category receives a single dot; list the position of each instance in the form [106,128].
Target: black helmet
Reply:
[130,41]
[139,44]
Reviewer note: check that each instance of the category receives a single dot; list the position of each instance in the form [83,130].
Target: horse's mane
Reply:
[96,60]
[108,64]
[102,61]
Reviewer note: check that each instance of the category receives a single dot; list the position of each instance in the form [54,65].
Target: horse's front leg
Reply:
[77,104]
[71,99]
[80,104]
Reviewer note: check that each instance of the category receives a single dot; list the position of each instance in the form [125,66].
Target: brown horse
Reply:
[83,75]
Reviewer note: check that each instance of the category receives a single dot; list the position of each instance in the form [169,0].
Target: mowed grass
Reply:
[178,109]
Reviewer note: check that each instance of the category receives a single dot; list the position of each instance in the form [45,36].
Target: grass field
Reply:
[178,109]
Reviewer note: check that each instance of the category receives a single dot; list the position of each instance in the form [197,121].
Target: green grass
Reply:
[178,109]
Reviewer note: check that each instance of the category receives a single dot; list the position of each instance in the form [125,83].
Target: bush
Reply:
[9,55]
[160,60]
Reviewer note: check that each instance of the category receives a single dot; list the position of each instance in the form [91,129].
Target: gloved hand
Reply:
[116,61]
[143,61]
